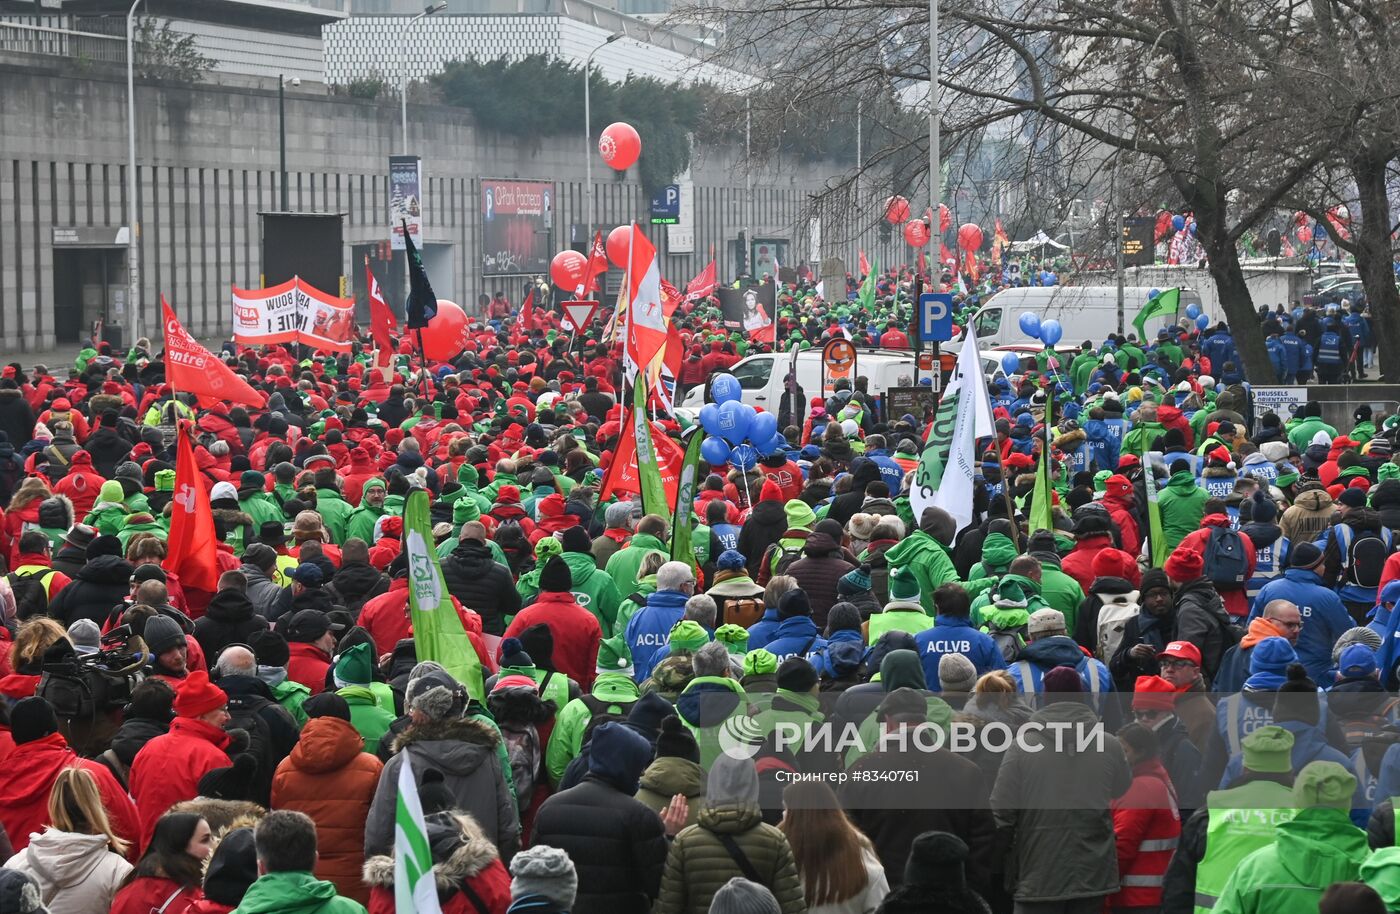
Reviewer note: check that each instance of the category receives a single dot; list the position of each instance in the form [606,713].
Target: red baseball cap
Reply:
[1182,650]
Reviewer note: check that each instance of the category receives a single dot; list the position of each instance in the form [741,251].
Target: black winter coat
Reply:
[130,738]
[251,694]
[100,585]
[616,842]
[357,582]
[69,560]
[765,525]
[229,619]
[107,449]
[16,417]
[481,584]
[844,507]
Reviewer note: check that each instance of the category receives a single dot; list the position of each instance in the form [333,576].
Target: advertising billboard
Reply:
[516,218]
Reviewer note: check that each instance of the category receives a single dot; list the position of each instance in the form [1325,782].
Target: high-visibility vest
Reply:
[900,620]
[1242,820]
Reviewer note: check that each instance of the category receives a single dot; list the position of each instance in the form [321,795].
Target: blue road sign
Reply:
[935,317]
[666,205]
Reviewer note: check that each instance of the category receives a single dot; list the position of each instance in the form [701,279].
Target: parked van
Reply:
[1085,312]
[761,376]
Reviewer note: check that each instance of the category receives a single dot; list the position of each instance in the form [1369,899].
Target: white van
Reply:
[1085,312]
[761,376]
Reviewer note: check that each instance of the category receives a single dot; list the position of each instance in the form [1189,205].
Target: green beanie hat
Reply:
[614,656]
[800,515]
[997,552]
[546,547]
[1379,871]
[465,510]
[1269,750]
[355,666]
[111,491]
[1326,784]
[165,481]
[467,475]
[373,483]
[688,635]
[1387,471]
[904,587]
[1284,480]
[760,662]
[1101,480]
[734,637]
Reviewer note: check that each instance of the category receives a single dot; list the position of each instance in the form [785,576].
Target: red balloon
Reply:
[567,270]
[620,146]
[945,218]
[916,233]
[896,210]
[446,334]
[1305,234]
[970,236]
[1164,225]
[620,246]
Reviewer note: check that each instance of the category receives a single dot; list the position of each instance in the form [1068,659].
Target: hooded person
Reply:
[675,770]
[935,879]
[926,552]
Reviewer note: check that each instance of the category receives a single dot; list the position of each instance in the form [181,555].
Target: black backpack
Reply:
[1363,555]
[784,557]
[245,714]
[31,596]
[1226,564]
[600,712]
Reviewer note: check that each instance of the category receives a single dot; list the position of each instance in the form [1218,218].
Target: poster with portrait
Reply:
[752,311]
[516,217]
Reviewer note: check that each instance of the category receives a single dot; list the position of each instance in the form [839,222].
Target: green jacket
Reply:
[361,522]
[624,564]
[108,517]
[335,513]
[295,893]
[699,865]
[1139,440]
[1301,434]
[262,508]
[292,695]
[1183,504]
[594,589]
[928,559]
[566,740]
[1061,592]
[129,531]
[494,486]
[368,718]
[1318,847]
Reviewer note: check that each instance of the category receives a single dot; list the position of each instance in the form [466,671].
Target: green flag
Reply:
[1154,516]
[414,886]
[437,629]
[867,288]
[1165,303]
[682,525]
[653,490]
[1042,516]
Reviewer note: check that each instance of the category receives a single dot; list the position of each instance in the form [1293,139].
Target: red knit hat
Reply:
[197,696]
[1153,693]
[1184,564]
[771,491]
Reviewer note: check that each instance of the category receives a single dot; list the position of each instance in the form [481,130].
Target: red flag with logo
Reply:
[191,368]
[621,475]
[671,298]
[597,266]
[381,320]
[703,285]
[646,322]
[864,265]
[527,312]
[193,546]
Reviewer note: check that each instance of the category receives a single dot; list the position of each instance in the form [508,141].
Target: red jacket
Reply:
[148,893]
[30,772]
[308,665]
[1118,509]
[81,485]
[1235,600]
[167,769]
[894,339]
[1079,563]
[386,619]
[1146,827]
[787,477]
[575,629]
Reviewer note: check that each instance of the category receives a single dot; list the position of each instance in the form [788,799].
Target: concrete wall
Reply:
[208,159]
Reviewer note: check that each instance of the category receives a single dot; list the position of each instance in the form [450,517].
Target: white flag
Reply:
[415,889]
[944,478]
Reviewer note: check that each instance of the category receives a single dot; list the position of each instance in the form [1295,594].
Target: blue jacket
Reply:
[1278,358]
[728,535]
[1219,348]
[792,634]
[823,663]
[1309,745]
[1292,353]
[954,635]
[1040,657]
[1324,616]
[650,628]
[890,472]
[1103,443]
[761,632]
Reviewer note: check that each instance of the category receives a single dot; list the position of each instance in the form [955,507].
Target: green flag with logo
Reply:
[682,525]
[653,490]
[867,288]
[1163,304]
[437,629]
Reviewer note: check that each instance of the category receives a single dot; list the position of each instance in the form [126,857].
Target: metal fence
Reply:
[50,41]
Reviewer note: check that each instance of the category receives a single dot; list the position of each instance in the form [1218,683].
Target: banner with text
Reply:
[516,218]
[293,312]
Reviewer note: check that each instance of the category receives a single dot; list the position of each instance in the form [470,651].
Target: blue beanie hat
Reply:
[1272,655]
[730,560]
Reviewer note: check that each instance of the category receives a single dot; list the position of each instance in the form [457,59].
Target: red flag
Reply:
[621,475]
[646,324]
[671,298]
[923,263]
[946,256]
[703,285]
[864,265]
[381,320]
[597,266]
[664,389]
[527,312]
[191,368]
[193,546]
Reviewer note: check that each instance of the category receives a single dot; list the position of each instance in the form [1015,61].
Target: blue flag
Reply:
[422,303]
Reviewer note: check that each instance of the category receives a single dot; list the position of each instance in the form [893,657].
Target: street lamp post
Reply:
[403,68]
[282,132]
[133,252]
[935,165]
[588,131]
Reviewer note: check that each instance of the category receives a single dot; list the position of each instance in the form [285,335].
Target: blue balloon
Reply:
[733,422]
[1051,331]
[1049,279]
[725,387]
[1193,311]
[709,418]
[1319,232]
[1030,325]
[1011,363]
[715,451]
[1178,223]
[777,444]
[1192,229]
[763,427]
[1153,293]
[744,456]
[1202,322]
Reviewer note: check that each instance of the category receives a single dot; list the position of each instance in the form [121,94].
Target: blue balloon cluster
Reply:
[1051,332]
[1193,311]
[738,433]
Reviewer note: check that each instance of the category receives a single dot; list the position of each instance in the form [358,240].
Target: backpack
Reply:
[243,711]
[1108,635]
[1226,564]
[31,596]
[1329,348]
[743,611]
[526,756]
[1363,556]
[783,557]
[600,712]
[1359,728]
[1010,641]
